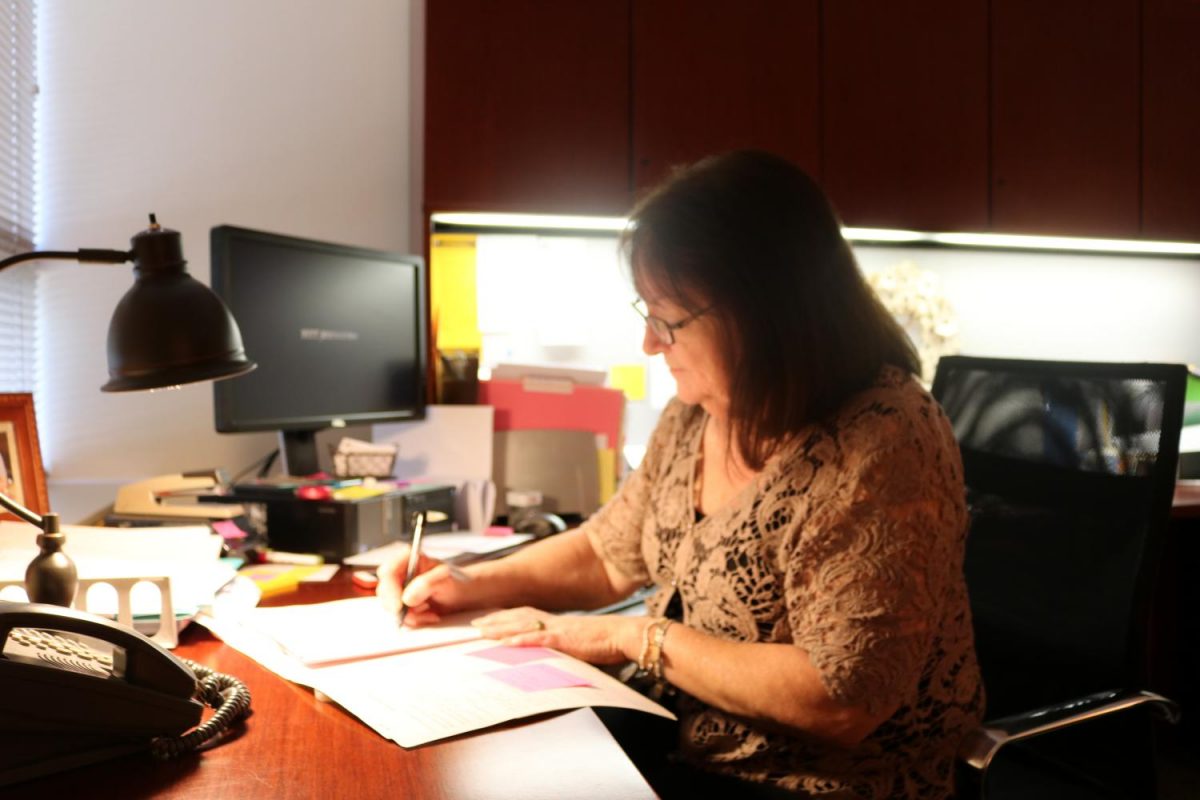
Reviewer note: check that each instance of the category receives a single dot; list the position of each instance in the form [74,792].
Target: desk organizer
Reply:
[167,634]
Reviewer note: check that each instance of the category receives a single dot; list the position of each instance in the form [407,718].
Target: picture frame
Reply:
[22,476]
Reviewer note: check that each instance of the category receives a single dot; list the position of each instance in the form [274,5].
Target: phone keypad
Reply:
[54,647]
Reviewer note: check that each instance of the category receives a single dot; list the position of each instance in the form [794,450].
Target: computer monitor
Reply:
[338,333]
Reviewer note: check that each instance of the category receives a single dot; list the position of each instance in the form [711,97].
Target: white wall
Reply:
[287,115]
[1057,306]
[1008,304]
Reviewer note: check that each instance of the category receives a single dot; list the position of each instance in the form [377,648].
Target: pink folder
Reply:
[569,408]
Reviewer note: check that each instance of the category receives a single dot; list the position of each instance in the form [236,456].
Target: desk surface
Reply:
[294,746]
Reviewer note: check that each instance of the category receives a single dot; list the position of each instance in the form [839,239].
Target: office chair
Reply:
[1070,472]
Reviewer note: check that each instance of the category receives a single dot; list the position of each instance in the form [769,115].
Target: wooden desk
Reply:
[1186,503]
[294,746]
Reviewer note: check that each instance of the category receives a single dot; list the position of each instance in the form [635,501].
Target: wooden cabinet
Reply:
[1065,127]
[1171,119]
[527,105]
[711,76]
[905,121]
[1072,117]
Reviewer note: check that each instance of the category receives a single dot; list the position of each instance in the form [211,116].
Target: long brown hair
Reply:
[755,238]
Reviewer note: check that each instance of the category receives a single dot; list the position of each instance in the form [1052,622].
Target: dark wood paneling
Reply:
[1171,119]
[1065,129]
[527,105]
[906,113]
[711,76]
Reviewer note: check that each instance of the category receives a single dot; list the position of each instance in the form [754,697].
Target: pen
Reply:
[414,556]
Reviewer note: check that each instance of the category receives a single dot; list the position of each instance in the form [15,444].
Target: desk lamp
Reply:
[168,329]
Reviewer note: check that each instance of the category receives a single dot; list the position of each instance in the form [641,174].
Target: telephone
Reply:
[78,689]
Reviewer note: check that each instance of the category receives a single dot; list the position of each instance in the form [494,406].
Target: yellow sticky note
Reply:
[272,579]
[452,296]
[629,378]
[361,492]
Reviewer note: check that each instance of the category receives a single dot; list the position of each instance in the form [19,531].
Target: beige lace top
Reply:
[850,546]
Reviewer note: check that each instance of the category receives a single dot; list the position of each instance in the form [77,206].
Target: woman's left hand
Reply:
[605,639]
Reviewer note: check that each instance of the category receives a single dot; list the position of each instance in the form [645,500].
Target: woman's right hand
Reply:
[434,590]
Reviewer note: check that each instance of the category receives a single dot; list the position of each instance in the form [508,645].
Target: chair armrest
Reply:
[982,744]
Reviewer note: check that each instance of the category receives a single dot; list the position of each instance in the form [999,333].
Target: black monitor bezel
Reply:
[220,239]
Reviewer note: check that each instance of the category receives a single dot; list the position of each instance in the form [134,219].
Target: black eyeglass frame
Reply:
[665,331]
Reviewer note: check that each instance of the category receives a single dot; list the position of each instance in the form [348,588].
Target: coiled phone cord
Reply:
[228,695]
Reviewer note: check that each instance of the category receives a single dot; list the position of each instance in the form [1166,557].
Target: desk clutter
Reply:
[334,520]
[154,580]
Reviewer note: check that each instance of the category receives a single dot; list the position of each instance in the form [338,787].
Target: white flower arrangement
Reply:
[914,296]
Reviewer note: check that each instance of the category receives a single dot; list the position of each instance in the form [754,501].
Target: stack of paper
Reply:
[137,576]
[188,555]
[415,686]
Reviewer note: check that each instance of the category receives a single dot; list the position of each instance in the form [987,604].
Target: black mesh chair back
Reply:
[1070,471]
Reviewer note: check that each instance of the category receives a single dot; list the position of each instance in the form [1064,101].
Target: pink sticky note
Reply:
[515,655]
[498,530]
[536,677]
[228,529]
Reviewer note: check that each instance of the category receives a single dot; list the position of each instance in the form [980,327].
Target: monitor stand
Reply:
[299,451]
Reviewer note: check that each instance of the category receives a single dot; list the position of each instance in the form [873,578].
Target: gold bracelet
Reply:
[656,632]
[643,660]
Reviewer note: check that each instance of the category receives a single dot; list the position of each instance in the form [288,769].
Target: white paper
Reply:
[342,630]
[429,695]
[442,546]
[188,555]
[426,695]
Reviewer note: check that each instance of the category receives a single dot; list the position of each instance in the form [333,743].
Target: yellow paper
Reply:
[629,378]
[607,458]
[452,294]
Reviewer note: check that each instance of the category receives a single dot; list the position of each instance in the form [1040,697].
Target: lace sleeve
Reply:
[866,572]
[615,531]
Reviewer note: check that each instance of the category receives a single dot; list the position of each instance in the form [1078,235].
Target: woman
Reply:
[800,506]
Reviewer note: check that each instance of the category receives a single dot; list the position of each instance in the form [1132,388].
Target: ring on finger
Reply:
[539,625]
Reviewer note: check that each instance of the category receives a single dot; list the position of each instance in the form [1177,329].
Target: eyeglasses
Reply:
[665,331]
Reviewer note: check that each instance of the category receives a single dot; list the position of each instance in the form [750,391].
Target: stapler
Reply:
[175,495]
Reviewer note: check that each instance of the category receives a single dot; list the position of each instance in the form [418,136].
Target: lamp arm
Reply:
[21,511]
[83,254]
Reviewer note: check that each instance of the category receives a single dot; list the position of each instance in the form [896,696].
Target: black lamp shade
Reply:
[169,328]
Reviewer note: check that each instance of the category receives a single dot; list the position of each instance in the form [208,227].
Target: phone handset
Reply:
[111,691]
[135,658]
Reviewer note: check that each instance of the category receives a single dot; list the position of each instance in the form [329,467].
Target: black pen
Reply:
[414,556]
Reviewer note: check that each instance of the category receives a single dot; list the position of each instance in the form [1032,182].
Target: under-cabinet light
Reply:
[550,223]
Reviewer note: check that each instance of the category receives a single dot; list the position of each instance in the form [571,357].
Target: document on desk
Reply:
[348,630]
[428,695]
[441,689]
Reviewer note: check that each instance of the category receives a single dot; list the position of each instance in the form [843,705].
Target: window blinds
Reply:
[18,90]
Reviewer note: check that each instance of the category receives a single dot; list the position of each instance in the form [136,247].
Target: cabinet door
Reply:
[527,105]
[1065,124]
[711,76]
[1171,120]
[906,114]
